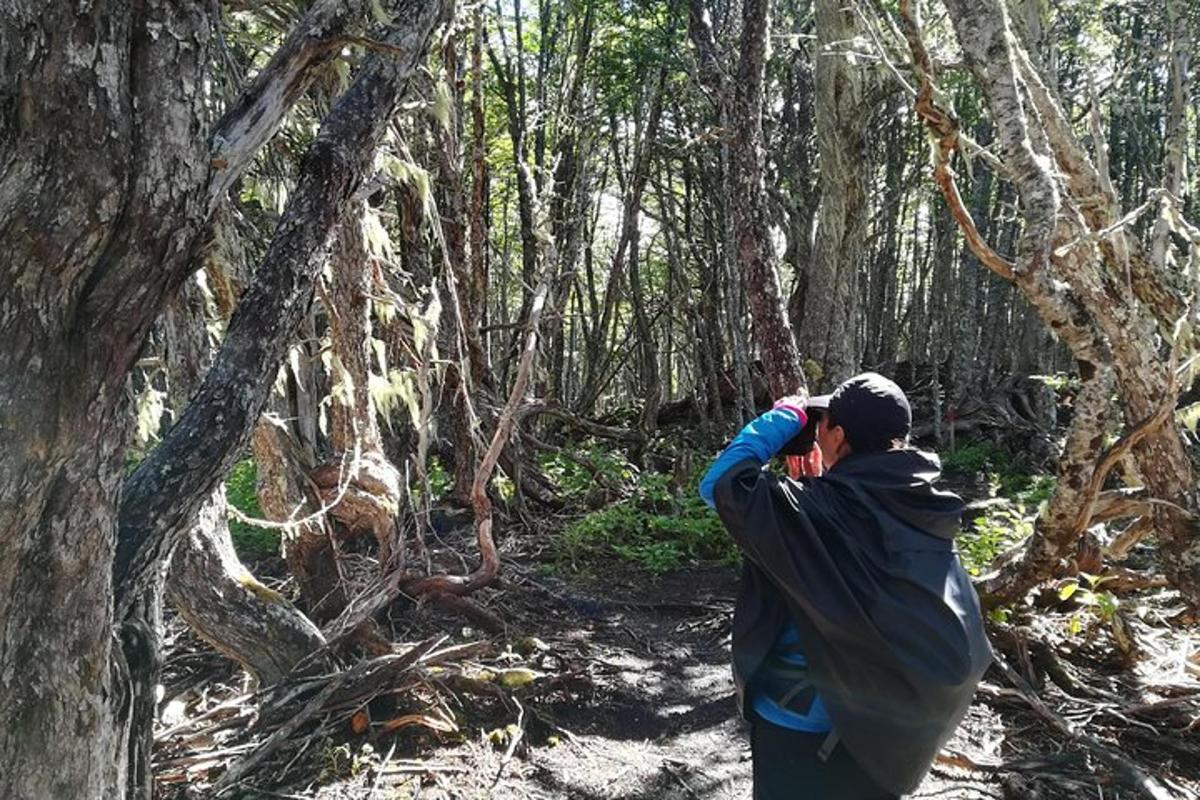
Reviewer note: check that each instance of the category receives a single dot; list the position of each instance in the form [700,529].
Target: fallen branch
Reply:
[1122,766]
[349,688]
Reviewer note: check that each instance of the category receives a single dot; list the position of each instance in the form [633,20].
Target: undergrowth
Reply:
[1014,498]
[251,542]
[658,525]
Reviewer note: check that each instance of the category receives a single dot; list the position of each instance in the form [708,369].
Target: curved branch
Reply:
[944,133]
[1114,454]
[163,495]
[254,117]
[489,558]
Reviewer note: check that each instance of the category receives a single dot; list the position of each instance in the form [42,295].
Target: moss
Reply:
[261,591]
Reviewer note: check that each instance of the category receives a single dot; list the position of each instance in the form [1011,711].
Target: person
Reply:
[857,637]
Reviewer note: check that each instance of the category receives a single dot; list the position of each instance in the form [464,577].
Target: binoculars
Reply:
[803,441]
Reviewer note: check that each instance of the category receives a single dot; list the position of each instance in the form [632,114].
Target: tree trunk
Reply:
[1075,280]
[229,608]
[842,109]
[1174,160]
[206,582]
[84,277]
[729,284]
[755,251]
[103,193]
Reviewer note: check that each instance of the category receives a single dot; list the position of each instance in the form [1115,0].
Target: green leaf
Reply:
[1065,592]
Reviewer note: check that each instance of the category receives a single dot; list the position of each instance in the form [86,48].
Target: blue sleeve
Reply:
[760,439]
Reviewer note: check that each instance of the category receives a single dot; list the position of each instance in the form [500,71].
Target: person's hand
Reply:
[794,403]
[807,465]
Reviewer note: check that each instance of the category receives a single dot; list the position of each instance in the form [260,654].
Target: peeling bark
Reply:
[255,116]
[1073,268]
[169,486]
[97,136]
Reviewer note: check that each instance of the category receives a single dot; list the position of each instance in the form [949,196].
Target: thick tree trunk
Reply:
[103,187]
[728,284]
[829,335]
[206,582]
[98,136]
[166,489]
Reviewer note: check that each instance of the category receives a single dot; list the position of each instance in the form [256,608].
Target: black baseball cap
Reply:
[870,408]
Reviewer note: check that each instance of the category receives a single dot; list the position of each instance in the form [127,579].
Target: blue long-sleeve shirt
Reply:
[761,439]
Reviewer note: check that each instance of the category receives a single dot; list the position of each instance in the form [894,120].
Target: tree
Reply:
[756,258]
[107,183]
[843,103]
[1094,287]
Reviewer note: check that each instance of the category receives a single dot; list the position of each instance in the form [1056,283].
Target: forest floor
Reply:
[632,697]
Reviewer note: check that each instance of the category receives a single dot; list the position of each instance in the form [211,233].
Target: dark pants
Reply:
[787,767]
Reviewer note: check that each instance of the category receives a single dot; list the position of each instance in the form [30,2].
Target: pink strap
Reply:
[794,405]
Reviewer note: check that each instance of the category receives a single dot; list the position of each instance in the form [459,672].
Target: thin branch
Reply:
[944,132]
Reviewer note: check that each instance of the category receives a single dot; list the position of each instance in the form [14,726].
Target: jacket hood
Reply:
[901,482]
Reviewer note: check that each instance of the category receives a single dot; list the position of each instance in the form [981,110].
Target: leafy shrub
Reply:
[1008,475]
[994,532]
[656,528]
[1004,523]
[251,542]
[1102,604]
[575,480]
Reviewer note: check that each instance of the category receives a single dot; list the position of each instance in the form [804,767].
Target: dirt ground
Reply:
[633,698]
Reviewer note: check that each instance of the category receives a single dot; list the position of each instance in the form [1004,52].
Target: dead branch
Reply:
[1122,766]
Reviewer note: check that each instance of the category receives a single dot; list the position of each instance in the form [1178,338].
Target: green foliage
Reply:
[1005,521]
[1007,475]
[997,530]
[575,480]
[439,479]
[1103,604]
[251,542]
[657,528]
[975,457]
[343,761]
